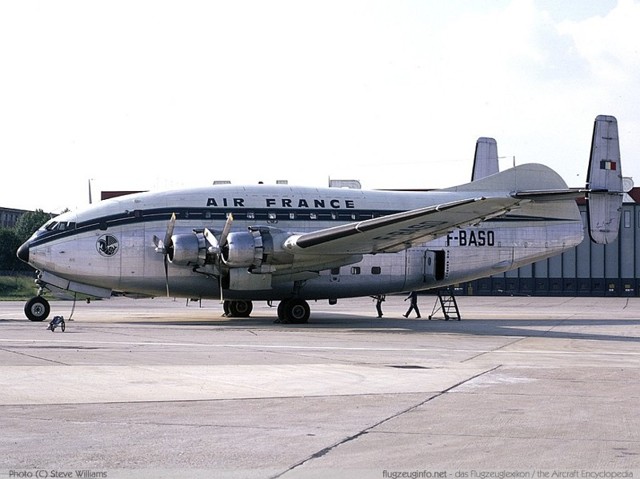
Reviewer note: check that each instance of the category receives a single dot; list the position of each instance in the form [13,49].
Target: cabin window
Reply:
[355,270]
[271,216]
[292,216]
[251,215]
[335,271]
[376,270]
[313,216]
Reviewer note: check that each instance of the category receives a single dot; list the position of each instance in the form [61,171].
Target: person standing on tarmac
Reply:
[379,299]
[413,296]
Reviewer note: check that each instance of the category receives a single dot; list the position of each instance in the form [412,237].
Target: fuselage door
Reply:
[434,265]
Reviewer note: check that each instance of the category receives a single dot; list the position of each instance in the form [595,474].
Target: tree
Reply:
[9,244]
[29,222]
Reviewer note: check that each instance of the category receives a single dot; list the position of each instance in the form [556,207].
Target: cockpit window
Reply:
[59,225]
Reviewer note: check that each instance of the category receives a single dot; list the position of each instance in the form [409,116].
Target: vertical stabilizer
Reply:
[485,160]
[604,181]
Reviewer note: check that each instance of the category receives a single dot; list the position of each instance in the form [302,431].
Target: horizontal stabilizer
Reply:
[485,160]
[604,181]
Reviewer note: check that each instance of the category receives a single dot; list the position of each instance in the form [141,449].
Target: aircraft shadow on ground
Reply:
[529,328]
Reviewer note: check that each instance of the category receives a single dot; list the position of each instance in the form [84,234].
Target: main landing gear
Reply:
[290,311]
[237,309]
[293,311]
[37,309]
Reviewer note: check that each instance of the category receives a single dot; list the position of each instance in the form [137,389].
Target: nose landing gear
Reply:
[37,309]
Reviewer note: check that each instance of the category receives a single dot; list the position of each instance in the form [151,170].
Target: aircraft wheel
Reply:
[37,309]
[240,309]
[296,311]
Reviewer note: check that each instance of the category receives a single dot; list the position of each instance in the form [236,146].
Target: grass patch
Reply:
[17,287]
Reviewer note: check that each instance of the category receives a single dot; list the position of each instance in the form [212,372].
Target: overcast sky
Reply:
[144,95]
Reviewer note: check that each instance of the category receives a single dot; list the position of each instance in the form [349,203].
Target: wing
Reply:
[400,231]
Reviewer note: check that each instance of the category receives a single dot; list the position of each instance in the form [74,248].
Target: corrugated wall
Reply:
[587,270]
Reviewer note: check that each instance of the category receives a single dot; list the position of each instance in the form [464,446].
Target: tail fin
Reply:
[485,160]
[604,181]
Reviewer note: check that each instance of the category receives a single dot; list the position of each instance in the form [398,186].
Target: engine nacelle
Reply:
[188,249]
[243,250]
[260,250]
[253,250]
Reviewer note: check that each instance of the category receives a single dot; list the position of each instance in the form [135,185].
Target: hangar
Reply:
[587,270]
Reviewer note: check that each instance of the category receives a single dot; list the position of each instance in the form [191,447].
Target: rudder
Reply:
[604,181]
[485,159]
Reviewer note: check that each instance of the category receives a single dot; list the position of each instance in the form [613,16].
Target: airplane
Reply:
[295,244]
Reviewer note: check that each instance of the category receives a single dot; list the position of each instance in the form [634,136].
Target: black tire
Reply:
[296,311]
[240,309]
[37,309]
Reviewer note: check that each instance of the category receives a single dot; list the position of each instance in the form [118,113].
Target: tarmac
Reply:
[521,387]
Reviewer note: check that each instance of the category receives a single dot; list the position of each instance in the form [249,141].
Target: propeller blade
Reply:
[166,274]
[217,244]
[164,247]
[226,230]
[216,248]
[212,240]
[169,233]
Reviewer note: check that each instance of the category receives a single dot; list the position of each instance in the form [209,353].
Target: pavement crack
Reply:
[33,356]
[367,430]
[506,345]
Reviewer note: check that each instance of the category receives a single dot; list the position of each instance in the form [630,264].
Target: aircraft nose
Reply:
[23,252]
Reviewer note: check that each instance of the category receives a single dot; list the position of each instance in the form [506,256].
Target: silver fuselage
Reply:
[109,248]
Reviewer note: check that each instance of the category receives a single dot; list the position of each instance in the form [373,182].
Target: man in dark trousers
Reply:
[413,296]
[379,298]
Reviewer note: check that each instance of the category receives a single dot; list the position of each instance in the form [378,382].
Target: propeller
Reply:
[216,246]
[165,246]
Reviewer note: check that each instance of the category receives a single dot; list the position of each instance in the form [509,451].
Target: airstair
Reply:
[446,302]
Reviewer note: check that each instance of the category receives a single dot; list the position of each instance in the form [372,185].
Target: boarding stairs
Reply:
[446,302]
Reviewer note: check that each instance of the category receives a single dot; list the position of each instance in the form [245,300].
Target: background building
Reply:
[9,217]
